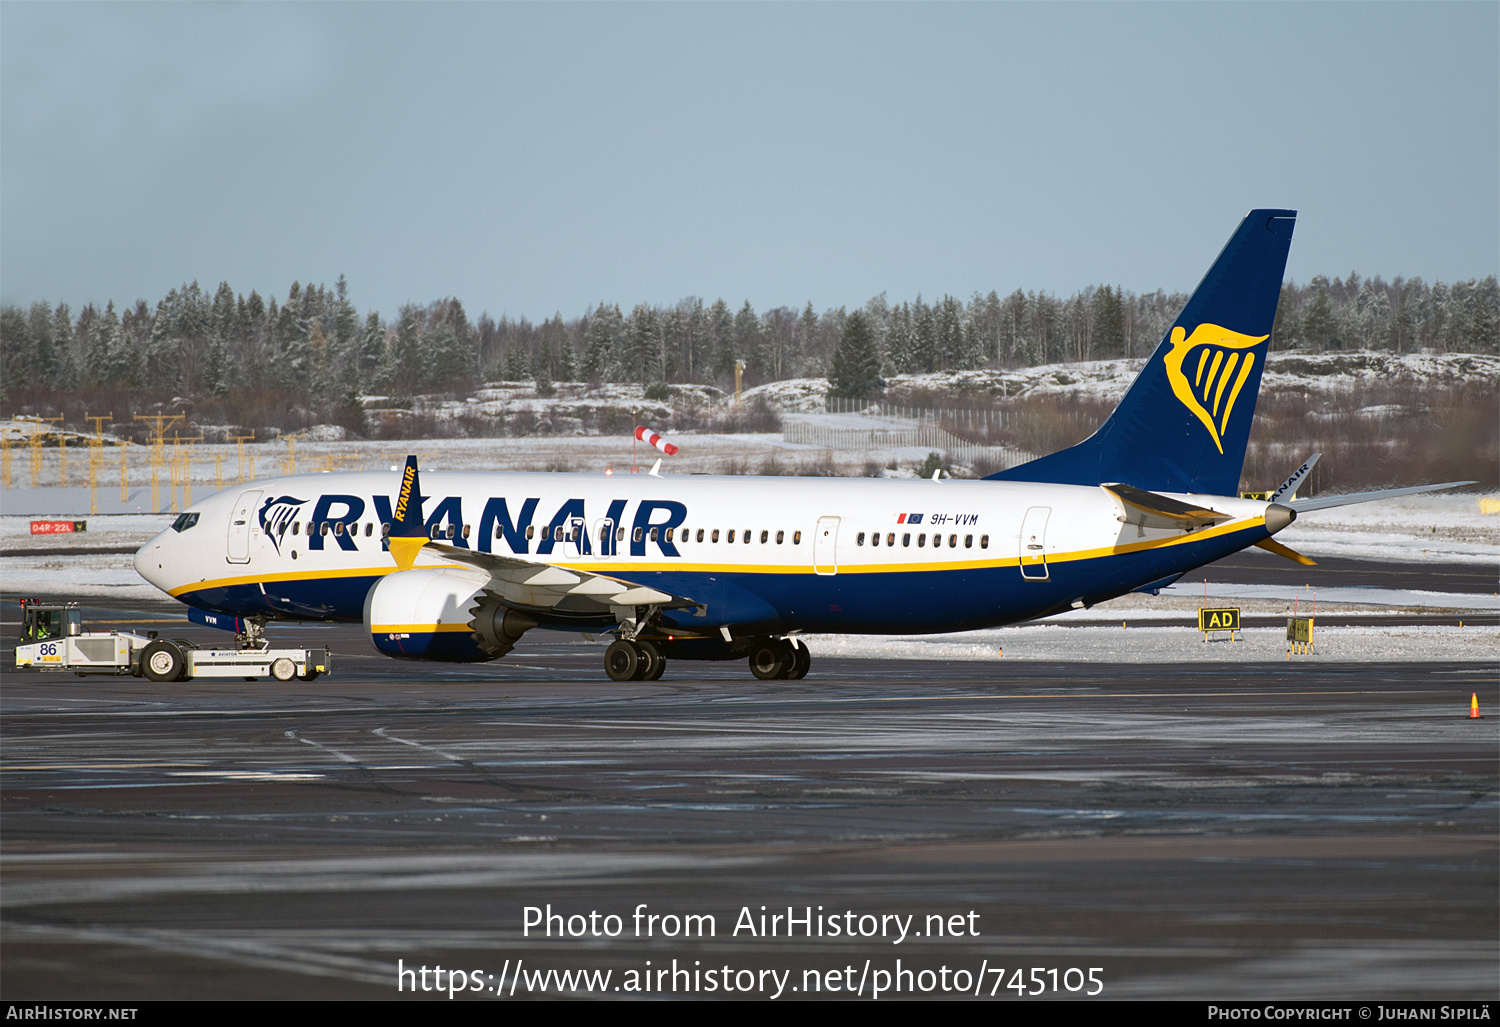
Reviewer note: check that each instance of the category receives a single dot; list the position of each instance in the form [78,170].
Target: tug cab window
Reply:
[184,522]
[40,625]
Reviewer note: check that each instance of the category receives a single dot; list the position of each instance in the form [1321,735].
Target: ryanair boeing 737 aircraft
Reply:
[457,567]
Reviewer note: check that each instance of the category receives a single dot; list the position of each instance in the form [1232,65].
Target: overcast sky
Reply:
[539,158]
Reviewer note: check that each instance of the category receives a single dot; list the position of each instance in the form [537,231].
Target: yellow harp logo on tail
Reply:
[1209,382]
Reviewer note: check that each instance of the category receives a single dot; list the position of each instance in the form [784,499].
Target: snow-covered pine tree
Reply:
[855,369]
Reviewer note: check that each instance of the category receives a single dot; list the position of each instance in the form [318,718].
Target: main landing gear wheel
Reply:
[778,659]
[801,661]
[283,669]
[627,660]
[770,659]
[162,661]
[622,660]
[653,663]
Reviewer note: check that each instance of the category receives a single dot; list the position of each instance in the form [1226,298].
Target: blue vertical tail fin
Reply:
[1184,423]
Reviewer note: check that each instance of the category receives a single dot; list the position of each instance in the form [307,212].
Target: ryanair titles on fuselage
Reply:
[512,520]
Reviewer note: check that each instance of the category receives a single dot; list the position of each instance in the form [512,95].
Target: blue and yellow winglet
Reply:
[408,530]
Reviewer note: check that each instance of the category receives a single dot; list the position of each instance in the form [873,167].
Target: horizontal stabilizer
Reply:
[1272,546]
[1349,499]
[1164,506]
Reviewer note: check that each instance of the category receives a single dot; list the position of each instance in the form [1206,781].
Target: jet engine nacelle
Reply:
[425,614]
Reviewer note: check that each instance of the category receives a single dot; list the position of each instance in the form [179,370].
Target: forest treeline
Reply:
[309,357]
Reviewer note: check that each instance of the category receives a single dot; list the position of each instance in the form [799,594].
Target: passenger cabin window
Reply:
[765,536]
[385,529]
[984,541]
[466,531]
[952,541]
[531,532]
[700,535]
[637,536]
[890,538]
[730,537]
[796,538]
[937,541]
[906,538]
[968,541]
[859,539]
[716,535]
[653,534]
[296,527]
[780,535]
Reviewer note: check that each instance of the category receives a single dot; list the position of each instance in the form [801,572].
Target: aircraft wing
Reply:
[534,585]
[1349,499]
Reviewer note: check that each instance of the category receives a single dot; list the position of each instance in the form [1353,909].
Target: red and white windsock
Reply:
[647,435]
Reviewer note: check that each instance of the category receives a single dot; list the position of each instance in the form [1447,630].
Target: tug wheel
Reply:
[162,661]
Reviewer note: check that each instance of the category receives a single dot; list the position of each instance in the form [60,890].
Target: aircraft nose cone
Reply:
[1278,517]
[148,562]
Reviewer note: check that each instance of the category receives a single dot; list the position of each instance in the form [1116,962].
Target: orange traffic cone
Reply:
[1474,707]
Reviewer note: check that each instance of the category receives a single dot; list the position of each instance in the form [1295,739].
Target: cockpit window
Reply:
[184,521]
